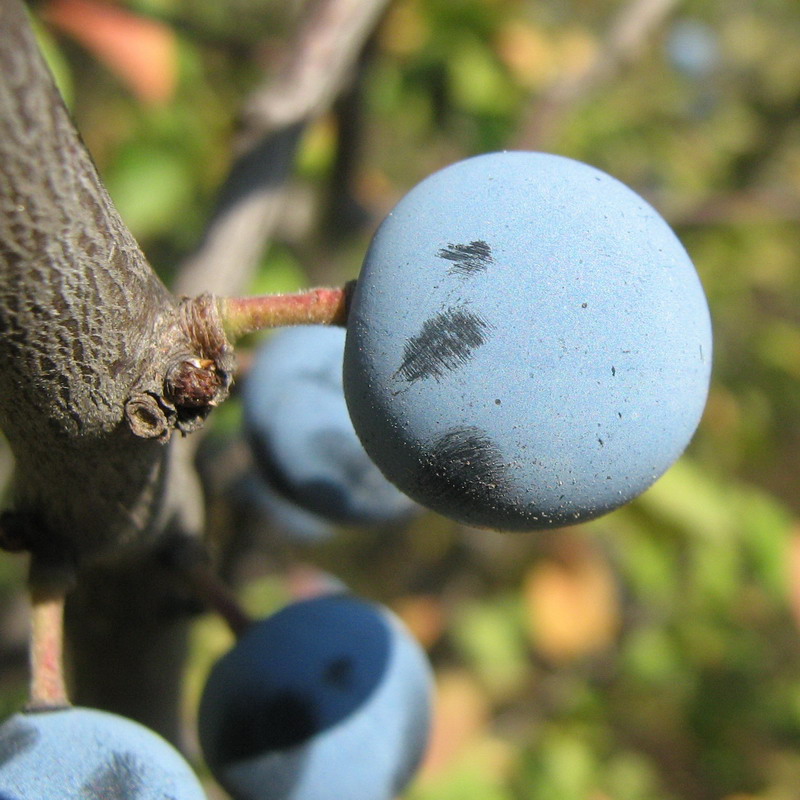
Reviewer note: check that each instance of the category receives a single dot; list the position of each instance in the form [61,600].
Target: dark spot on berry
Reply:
[339,673]
[287,719]
[463,474]
[467,258]
[446,342]
[16,737]
[467,467]
[121,779]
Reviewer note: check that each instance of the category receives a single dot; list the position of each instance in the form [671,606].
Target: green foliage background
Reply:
[670,667]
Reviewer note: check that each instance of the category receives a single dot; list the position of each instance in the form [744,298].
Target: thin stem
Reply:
[48,688]
[242,315]
[216,594]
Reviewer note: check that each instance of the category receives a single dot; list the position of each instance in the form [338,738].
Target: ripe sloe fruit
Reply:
[528,343]
[87,754]
[301,435]
[328,698]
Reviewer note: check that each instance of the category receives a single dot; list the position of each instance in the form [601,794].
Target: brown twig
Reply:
[319,63]
[209,588]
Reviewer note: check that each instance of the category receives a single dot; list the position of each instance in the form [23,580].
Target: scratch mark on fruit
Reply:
[445,343]
[122,779]
[467,258]
[466,466]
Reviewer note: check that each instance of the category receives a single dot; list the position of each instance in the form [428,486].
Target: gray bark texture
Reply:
[88,333]
[99,364]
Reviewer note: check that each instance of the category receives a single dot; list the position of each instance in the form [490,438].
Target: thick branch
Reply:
[86,327]
[88,339]
[78,300]
[128,623]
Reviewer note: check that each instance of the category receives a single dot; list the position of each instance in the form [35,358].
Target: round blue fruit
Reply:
[87,754]
[329,697]
[528,343]
[693,47]
[290,521]
[301,434]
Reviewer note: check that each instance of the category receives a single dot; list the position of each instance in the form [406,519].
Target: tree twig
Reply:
[319,62]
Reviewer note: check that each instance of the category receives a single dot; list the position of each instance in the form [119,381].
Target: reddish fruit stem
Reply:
[209,588]
[48,688]
[242,315]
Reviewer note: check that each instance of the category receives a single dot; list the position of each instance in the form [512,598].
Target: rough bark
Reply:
[87,331]
[99,363]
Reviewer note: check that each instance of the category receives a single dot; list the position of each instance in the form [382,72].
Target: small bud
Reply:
[194,383]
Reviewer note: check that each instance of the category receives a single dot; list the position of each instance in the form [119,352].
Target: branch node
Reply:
[194,382]
[148,418]
[203,327]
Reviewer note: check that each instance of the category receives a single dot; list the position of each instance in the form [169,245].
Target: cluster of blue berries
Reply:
[322,683]
[528,346]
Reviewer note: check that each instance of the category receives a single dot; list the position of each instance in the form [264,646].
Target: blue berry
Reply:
[87,754]
[290,521]
[693,48]
[329,697]
[301,435]
[528,344]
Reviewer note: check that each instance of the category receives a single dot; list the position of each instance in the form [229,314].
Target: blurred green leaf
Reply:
[150,186]
[492,638]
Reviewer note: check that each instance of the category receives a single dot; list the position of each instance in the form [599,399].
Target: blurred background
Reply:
[650,655]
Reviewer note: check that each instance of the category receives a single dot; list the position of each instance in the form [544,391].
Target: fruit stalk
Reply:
[47,688]
[211,590]
[322,306]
